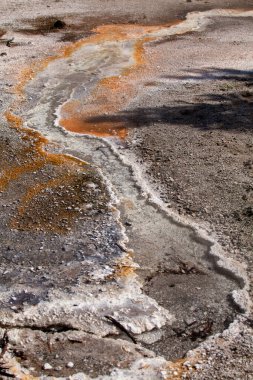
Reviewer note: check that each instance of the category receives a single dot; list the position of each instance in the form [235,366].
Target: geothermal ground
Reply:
[126,189]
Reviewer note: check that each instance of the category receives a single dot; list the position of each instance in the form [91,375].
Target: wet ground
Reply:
[84,233]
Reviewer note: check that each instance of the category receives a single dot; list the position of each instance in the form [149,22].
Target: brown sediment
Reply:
[128,203]
[40,25]
[39,157]
[124,271]
[34,162]
[32,213]
[55,204]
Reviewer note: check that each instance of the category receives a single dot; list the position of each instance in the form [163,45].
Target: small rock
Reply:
[47,366]
[190,321]
[70,365]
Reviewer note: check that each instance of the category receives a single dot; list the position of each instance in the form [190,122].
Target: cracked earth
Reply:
[126,190]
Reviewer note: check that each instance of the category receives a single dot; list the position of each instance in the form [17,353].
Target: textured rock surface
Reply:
[108,267]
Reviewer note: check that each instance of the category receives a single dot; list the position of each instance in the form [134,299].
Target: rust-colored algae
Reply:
[32,213]
[109,97]
[29,73]
[112,94]
[55,204]
[11,174]
[38,141]
[115,92]
[35,159]
[35,162]
[27,134]
[38,156]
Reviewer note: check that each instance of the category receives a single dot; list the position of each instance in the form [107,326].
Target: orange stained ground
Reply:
[35,159]
[176,369]
[51,223]
[102,34]
[114,93]
[111,94]
[39,157]
[109,97]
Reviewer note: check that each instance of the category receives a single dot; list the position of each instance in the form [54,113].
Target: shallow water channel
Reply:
[175,265]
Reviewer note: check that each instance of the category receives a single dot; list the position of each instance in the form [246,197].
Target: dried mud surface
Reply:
[83,236]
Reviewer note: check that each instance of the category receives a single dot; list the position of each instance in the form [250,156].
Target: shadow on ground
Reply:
[216,74]
[230,108]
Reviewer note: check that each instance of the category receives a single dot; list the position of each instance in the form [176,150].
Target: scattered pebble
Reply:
[47,366]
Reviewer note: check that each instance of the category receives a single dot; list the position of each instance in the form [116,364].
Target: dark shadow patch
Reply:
[19,299]
[228,109]
[59,24]
[170,38]
[75,36]
[42,25]
[216,74]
